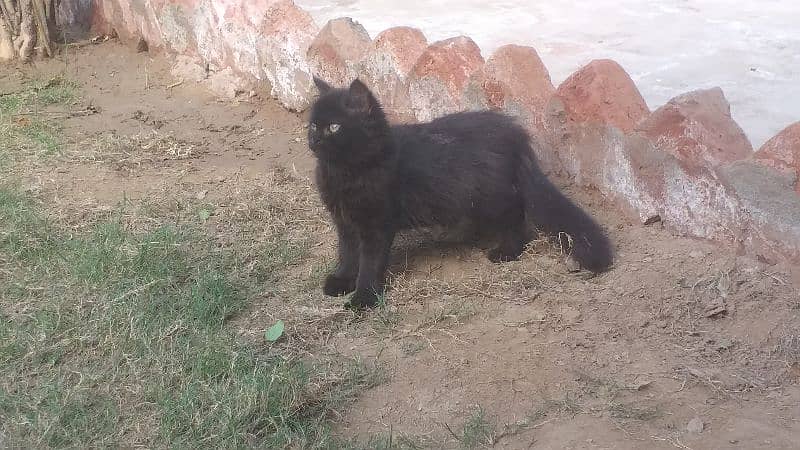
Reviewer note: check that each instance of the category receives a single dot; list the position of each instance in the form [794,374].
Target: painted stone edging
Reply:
[687,162]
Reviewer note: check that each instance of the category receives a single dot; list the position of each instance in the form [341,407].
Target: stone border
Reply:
[688,163]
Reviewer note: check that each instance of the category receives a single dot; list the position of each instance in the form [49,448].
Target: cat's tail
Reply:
[555,214]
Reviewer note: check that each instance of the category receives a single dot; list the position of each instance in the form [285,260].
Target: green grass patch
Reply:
[118,337]
[23,129]
[35,94]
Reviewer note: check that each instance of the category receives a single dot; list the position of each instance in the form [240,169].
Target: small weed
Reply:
[568,405]
[608,391]
[599,387]
[385,317]
[477,431]
[412,347]
[390,441]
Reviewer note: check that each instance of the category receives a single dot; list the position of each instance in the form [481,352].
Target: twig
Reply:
[675,443]
[541,424]
[176,84]
[451,431]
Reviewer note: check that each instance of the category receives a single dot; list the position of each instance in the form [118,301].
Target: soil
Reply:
[683,344]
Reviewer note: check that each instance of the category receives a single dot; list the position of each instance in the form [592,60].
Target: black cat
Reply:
[376,179]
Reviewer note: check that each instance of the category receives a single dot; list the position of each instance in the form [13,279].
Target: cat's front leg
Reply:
[374,258]
[342,281]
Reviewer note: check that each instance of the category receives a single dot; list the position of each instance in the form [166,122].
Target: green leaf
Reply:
[204,214]
[275,332]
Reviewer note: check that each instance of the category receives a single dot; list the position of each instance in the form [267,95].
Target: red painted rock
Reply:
[697,128]
[440,76]
[644,181]
[336,51]
[227,84]
[782,152]
[284,36]
[145,20]
[176,28]
[132,20]
[602,92]
[239,29]
[771,208]
[204,24]
[516,81]
[386,66]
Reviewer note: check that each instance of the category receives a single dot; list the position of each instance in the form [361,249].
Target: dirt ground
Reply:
[683,344]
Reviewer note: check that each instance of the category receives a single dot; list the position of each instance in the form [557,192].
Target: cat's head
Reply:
[347,125]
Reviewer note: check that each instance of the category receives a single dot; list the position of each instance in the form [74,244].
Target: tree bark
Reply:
[43,32]
[27,31]
[6,43]
[26,25]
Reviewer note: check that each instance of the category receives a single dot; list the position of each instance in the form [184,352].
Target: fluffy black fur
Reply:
[376,179]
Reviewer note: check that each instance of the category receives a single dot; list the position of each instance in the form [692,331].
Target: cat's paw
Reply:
[338,286]
[361,300]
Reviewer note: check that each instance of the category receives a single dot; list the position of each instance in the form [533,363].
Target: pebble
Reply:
[695,425]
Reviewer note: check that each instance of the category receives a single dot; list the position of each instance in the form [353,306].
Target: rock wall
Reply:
[687,163]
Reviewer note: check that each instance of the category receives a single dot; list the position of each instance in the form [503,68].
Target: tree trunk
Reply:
[27,31]
[43,32]
[26,25]
[6,42]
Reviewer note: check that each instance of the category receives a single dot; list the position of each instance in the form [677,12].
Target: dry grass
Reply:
[126,152]
[117,324]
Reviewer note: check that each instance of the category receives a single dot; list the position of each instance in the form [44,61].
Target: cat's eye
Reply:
[334,127]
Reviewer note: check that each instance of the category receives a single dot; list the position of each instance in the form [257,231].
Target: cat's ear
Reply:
[322,85]
[359,97]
